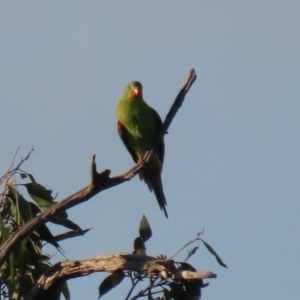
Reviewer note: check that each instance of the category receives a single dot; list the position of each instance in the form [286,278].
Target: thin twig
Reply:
[13,160]
[134,284]
[188,243]
[148,288]
[23,160]
[12,171]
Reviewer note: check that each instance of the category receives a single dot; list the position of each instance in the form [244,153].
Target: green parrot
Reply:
[138,124]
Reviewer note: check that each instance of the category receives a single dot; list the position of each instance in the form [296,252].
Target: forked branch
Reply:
[99,181]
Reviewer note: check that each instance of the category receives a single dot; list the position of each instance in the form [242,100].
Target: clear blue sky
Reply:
[232,152]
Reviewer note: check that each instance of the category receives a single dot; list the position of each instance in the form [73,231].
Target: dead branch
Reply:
[99,181]
[143,264]
[12,171]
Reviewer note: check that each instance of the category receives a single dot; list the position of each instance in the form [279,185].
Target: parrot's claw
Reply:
[141,162]
[129,176]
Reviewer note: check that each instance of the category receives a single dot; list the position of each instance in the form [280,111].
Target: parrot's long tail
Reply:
[155,184]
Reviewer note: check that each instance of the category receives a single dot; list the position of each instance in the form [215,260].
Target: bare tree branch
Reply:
[143,264]
[12,171]
[99,181]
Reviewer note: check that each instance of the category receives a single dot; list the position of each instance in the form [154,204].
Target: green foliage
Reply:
[212,251]
[110,282]
[27,262]
[145,229]
[185,289]
[208,247]
[70,234]
[65,290]
[139,246]
[159,288]
[42,196]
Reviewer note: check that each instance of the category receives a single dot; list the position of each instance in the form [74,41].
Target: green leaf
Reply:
[59,221]
[193,289]
[191,252]
[46,235]
[21,207]
[145,229]
[35,210]
[110,282]
[24,208]
[212,251]
[32,254]
[12,198]
[65,290]
[187,267]
[4,232]
[31,178]
[23,175]
[139,247]
[42,197]
[66,223]
[11,267]
[70,234]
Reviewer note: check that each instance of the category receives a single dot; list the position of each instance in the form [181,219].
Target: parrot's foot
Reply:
[142,162]
[129,176]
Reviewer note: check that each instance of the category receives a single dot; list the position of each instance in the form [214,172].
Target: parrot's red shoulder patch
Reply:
[119,126]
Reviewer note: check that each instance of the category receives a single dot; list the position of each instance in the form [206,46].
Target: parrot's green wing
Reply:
[161,145]
[138,125]
[124,134]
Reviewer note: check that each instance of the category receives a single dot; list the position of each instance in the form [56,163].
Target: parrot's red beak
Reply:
[134,93]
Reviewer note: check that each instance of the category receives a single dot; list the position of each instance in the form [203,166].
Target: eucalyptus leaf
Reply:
[65,290]
[139,246]
[35,210]
[70,234]
[46,235]
[4,232]
[187,267]
[110,282]
[24,208]
[66,223]
[12,197]
[42,197]
[212,251]
[145,229]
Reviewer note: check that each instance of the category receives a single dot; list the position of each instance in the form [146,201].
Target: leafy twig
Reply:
[188,243]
